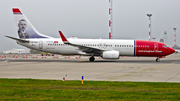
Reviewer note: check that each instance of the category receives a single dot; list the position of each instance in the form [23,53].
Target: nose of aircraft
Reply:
[171,50]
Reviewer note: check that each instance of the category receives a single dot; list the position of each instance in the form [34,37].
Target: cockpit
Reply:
[164,46]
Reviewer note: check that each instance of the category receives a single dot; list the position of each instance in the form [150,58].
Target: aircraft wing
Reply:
[82,48]
[88,49]
[20,40]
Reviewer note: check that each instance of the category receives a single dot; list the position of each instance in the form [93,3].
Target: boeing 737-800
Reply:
[106,48]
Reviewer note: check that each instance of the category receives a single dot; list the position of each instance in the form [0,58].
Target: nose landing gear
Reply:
[157,59]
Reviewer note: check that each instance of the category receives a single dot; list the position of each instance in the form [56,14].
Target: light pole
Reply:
[165,37]
[110,19]
[149,15]
[174,37]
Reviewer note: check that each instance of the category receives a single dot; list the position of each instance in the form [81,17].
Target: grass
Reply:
[32,89]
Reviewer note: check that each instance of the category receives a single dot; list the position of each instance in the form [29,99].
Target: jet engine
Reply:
[110,55]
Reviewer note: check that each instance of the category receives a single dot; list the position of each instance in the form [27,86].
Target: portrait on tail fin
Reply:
[22,27]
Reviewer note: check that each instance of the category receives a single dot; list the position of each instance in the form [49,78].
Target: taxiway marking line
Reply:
[137,72]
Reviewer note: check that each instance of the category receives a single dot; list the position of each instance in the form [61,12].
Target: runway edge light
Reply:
[82,80]
[63,78]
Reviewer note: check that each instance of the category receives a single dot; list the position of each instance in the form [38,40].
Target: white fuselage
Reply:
[56,46]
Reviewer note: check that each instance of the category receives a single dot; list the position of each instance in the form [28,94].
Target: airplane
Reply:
[177,51]
[105,48]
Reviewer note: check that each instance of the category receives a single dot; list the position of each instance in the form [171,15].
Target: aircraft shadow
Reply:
[99,61]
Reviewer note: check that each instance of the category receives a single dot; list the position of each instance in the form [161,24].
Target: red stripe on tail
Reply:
[16,10]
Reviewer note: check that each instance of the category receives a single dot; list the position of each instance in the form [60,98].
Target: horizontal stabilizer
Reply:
[20,40]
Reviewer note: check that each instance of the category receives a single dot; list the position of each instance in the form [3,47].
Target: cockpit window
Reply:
[165,46]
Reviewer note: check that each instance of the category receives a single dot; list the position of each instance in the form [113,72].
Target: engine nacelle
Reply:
[110,55]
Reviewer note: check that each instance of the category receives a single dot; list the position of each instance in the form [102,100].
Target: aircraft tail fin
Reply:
[25,29]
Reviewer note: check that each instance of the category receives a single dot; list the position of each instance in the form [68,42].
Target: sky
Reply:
[90,19]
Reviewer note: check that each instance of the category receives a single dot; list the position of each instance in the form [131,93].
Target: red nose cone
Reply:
[171,50]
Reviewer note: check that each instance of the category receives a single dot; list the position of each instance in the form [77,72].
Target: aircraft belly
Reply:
[67,50]
[127,52]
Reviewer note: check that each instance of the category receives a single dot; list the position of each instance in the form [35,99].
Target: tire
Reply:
[91,59]
[157,60]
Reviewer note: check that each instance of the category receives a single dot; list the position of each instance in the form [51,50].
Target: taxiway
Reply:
[142,69]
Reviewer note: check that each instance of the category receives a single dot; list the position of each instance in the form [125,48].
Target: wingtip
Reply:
[60,33]
[63,38]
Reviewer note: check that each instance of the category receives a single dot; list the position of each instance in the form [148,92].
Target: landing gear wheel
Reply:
[91,59]
[157,60]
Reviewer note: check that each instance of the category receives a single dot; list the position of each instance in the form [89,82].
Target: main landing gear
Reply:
[91,59]
[157,59]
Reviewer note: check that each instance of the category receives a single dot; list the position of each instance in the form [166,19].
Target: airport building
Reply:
[162,40]
[16,51]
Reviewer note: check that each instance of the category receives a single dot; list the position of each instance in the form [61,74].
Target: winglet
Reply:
[63,38]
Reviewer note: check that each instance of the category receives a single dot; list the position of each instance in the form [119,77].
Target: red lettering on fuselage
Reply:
[152,48]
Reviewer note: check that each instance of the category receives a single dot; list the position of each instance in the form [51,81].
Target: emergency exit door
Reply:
[40,44]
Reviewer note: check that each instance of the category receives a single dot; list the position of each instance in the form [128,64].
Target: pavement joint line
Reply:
[137,72]
[172,77]
[83,60]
